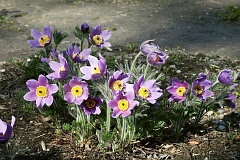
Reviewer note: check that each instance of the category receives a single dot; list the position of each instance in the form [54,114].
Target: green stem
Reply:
[200,113]
[146,70]
[108,123]
[134,61]
[123,130]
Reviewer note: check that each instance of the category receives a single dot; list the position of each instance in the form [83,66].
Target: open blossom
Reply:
[156,57]
[148,46]
[97,68]
[123,104]
[200,87]
[178,90]
[6,130]
[61,69]
[147,90]
[41,39]
[40,91]
[225,77]
[99,37]
[91,105]
[117,82]
[76,55]
[76,91]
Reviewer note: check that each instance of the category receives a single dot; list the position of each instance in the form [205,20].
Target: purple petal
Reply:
[112,104]
[49,100]
[30,96]
[34,44]
[126,113]
[42,80]
[69,97]
[52,88]
[32,84]
[35,34]
[106,34]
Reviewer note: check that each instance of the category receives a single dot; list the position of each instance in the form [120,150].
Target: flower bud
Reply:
[85,28]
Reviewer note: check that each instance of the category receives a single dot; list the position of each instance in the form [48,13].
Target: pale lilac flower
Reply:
[6,130]
[147,90]
[123,104]
[41,39]
[117,82]
[148,46]
[98,37]
[91,105]
[76,55]
[178,90]
[97,68]
[156,57]
[76,91]
[40,91]
[200,87]
[225,77]
[61,69]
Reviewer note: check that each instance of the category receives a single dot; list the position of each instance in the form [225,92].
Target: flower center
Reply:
[198,89]
[41,91]
[143,92]
[44,40]
[90,103]
[157,58]
[181,91]
[117,85]
[97,39]
[62,69]
[77,91]
[123,104]
[1,134]
[96,70]
[75,55]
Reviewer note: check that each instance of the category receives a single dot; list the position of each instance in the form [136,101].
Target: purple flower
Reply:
[178,90]
[84,28]
[224,77]
[117,81]
[61,70]
[40,91]
[76,91]
[148,46]
[76,55]
[122,104]
[156,57]
[147,90]
[52,56]
[41,39]
[229,100]
[200,87]
[6,130]
[91,105]
[97,68]
[99,37]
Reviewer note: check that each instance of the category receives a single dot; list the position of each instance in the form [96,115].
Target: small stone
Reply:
[31,122]
[2,70]
[222,128]
[172,66]
[220,111]
[178,71]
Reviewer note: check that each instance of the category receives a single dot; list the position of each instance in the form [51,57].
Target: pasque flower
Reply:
[225,77]
[200,87]
[99,37]
[40,91]
[6,130]
[76,91]
[84,28]
[41,39]
[117,82]
[147,90]
[54,54]
[61,69]
[122,104]
[148,46]
[76,55]
[156,57]
[97,68]
[91,105]
[178,90]
[229,100]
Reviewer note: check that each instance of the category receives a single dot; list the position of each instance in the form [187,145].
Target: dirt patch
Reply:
[193,25]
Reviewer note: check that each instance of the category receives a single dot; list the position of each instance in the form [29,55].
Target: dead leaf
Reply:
[193,142]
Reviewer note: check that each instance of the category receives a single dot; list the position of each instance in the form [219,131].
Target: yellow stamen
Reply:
[44,40]
[97,39]
[143,92]
[198,89]
[75,55]
[117,85]
[62,69]
[181,91]
[41,91]
[77,91]
[90,103]
[123,104]
[96,70]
